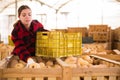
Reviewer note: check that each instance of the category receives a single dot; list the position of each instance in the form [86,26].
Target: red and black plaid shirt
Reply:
[25,40]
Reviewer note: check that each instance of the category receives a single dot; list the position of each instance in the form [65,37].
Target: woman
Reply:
[24,34]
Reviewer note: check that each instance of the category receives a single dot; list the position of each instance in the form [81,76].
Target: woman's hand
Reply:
[32,64]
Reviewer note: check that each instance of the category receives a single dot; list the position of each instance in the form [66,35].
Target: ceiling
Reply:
[55,4]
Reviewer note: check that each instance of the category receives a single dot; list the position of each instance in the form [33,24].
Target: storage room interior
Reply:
[61,14]
[85,34]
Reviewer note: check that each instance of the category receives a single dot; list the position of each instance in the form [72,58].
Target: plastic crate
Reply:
[86,40]
[58,44]
[10,42]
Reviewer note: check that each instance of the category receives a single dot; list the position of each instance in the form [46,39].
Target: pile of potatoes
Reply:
[86,61]
[5,50]
[41,62]
[96,48]
[83,61]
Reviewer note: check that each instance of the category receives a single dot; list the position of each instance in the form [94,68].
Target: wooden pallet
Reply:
[30,74]
[111,73]
[63,73]
[112,57]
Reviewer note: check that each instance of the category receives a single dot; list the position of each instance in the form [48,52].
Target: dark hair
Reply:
[22,8]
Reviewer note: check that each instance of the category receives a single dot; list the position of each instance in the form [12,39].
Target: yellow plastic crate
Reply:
[10,42]
[58,44]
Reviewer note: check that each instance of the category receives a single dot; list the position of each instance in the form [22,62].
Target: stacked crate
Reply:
[62,30]
[116,40]
[99,32]
[116,45]
[83,30]
[58,44]
[117,34]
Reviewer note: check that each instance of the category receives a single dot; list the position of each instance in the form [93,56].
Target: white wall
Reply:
[81,13]
[4,28]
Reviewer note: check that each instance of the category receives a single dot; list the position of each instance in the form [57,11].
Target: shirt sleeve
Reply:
[39,25]
[19,50]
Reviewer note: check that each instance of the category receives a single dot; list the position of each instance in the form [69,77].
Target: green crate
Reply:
[58,44]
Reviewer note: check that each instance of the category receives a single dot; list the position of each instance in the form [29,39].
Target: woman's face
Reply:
[26,16]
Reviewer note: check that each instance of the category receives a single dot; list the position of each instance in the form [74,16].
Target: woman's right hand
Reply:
[32,64]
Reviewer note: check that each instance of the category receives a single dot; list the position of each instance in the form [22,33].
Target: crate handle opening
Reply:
[45,34]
